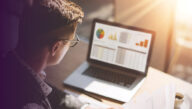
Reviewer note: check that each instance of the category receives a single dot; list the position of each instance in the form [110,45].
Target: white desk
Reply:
[75,56]
[157,79]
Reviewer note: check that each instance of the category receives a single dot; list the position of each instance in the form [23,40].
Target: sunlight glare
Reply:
[184,9]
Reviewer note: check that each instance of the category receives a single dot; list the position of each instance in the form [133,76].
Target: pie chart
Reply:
[100,33]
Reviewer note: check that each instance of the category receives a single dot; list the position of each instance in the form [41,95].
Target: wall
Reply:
[155,15]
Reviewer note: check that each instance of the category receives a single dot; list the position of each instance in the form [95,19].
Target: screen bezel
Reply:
[112,65]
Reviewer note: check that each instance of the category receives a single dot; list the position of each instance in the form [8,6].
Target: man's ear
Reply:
[55,47]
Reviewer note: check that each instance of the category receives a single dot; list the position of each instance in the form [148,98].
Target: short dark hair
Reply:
[46,15]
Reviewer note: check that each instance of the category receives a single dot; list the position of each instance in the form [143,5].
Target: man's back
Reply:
[19,86]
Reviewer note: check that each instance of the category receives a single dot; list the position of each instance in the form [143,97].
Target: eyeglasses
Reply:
[72,42]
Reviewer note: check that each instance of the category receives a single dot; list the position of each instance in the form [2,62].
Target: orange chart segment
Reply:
[143,43]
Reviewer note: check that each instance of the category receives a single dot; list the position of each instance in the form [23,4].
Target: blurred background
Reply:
[170,19]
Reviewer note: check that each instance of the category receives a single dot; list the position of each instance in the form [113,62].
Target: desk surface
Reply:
[77,55]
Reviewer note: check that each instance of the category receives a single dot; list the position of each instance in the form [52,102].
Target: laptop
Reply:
[117,61]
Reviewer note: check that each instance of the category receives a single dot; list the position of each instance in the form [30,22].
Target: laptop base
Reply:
[100,87]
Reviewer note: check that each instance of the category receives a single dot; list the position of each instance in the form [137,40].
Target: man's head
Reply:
[48,26]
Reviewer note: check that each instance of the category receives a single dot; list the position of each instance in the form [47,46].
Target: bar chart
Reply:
[143,43]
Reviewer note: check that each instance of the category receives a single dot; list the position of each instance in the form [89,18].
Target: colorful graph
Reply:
[112,37]
[143,43]
[100,33]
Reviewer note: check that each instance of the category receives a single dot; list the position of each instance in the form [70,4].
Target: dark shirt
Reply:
[22,89]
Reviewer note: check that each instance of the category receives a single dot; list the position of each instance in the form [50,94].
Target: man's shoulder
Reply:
[11,67]
[9,63]
[19,85]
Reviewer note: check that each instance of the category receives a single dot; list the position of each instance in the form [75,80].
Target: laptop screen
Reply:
[120,46]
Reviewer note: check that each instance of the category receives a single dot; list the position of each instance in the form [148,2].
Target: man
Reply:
[47,30]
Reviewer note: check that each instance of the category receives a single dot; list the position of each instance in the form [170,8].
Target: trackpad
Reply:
[112,91]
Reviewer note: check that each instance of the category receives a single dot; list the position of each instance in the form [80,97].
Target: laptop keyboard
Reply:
[123,80]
